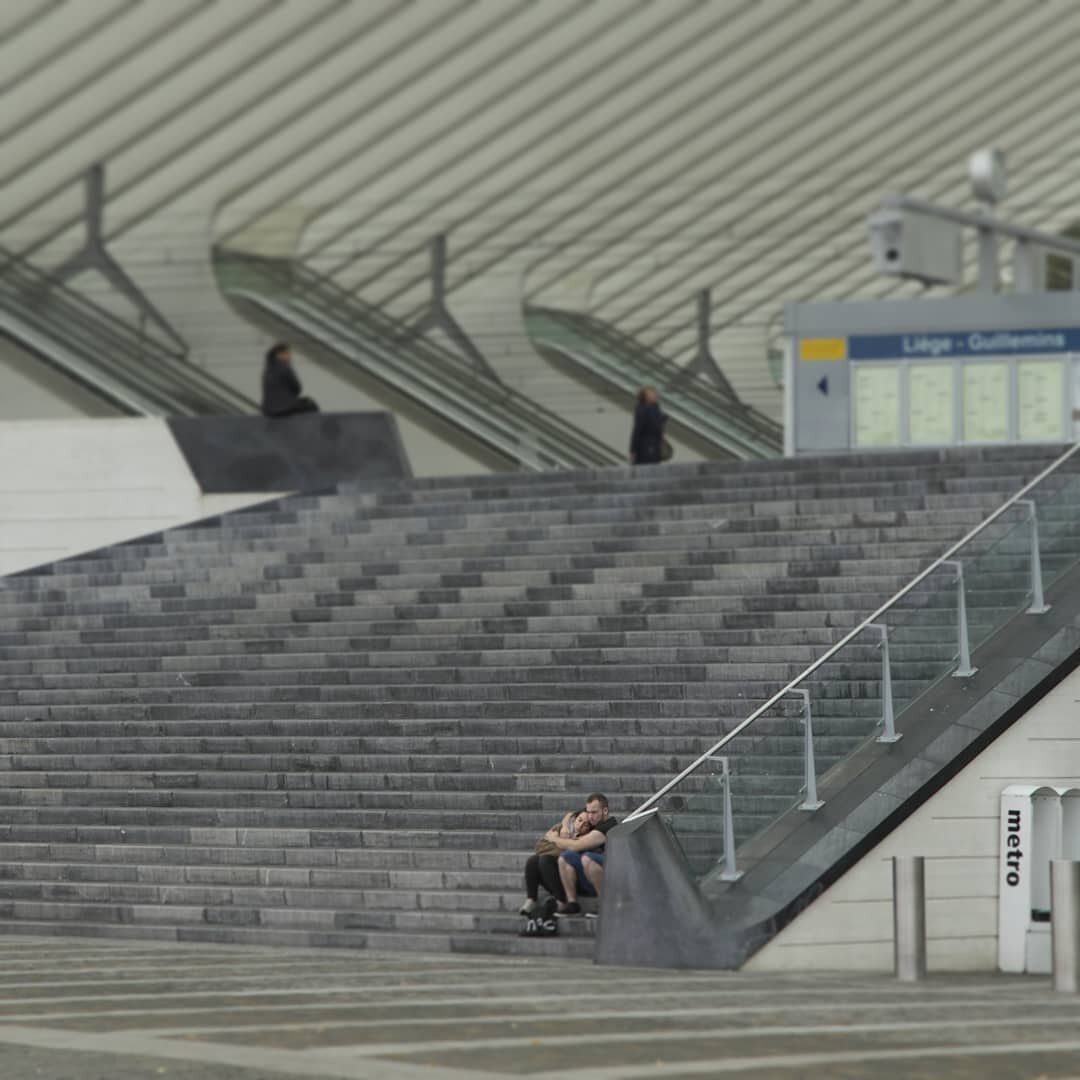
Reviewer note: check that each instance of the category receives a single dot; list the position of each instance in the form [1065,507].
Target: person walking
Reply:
[281,389]
[647,442]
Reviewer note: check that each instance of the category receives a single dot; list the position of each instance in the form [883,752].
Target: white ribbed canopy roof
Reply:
[610,155]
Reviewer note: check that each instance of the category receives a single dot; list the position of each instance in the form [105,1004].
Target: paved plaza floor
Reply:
[103,1010]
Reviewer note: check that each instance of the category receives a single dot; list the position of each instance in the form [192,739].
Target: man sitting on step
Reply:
[581,864]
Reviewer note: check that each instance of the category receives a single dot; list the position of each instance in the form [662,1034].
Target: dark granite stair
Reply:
[344,718]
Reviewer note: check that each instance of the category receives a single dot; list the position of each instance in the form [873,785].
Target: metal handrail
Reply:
[692,414]
[106,321]
[496,436]
[129,367]
[650,803]
[608,352]
[607,333]
[555,440]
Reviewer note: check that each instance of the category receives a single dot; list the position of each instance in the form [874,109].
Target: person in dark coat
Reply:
[647,439]
[281,390]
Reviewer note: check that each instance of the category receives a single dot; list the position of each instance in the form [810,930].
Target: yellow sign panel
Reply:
[822,348]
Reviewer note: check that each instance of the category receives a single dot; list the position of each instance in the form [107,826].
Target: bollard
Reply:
[1065,924]
[909,917]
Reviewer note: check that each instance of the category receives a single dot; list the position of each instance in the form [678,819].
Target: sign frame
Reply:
[957,330]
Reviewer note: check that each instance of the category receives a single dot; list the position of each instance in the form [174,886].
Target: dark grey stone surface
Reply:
[651,910]
[86,1010]
[308,452]
[38,1063]
[343,718]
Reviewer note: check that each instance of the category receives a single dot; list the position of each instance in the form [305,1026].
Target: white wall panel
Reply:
[31,390]
[849,927]
[74,485]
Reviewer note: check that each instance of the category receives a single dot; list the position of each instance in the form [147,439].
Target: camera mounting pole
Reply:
[931,254]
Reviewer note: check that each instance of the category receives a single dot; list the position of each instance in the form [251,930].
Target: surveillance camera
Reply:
[914,245]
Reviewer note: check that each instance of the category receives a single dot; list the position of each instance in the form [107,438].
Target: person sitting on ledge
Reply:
[281,390]
[542,867]
[581,864]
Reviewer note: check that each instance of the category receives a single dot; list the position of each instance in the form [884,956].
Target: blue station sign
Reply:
[944,344]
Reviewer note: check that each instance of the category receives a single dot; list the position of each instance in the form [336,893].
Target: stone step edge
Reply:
[438,943]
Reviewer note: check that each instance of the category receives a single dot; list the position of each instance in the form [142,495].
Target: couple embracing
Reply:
[569,858]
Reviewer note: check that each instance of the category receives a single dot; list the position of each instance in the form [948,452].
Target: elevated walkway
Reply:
[451,390]
[707,414]
[132,368]
[344,718]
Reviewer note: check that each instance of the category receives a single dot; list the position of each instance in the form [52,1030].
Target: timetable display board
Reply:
[930,387]
[876,401]
[1040,406]
[931,405]
[985,402]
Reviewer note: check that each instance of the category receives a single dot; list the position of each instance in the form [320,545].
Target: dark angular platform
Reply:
[308,452]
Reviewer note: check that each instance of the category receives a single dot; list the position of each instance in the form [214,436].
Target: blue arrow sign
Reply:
[823,385]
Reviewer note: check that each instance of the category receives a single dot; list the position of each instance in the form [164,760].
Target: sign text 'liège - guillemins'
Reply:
[963,343]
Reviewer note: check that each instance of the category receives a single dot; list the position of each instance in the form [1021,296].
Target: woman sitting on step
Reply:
[542,867]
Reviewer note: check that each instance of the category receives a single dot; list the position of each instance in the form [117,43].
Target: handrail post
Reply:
[888,717]
[811,802]
[963,667]
[730,871]
[1039,606]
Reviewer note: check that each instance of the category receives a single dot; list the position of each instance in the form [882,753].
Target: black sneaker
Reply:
[569,909]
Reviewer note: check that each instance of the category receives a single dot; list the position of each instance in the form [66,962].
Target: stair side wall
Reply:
[74,485]
[849,927]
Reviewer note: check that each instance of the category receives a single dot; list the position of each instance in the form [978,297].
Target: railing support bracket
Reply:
[964,669]
[1039,606]
[730,871]
[811,802]
[888,717]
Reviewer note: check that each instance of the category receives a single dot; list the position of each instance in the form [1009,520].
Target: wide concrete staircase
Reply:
[344,718]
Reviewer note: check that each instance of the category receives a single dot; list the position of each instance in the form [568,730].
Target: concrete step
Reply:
[675,600]
[757,565]
[809,536]
[202,863]
[603,537]
[265,635]
[460,669]
[421,730]
[520,709]
[562,947]
[344,654]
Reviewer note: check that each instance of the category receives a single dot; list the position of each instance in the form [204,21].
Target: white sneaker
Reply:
[528,907]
